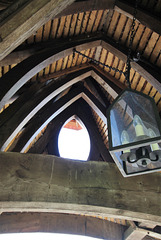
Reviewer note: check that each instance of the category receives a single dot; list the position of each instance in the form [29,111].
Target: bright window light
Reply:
[42,236]
[74,141]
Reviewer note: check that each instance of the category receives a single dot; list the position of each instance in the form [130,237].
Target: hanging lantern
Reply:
[134,129]
[134,132]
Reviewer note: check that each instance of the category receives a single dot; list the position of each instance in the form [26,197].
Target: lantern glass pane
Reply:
[133,119]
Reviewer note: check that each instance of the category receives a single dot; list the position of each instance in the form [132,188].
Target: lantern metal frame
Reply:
[136,144]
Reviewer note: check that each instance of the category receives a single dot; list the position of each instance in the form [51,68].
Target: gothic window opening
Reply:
[74,140]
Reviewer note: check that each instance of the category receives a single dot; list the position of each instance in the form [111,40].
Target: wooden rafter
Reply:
[89,5]
[33,65]
[94,87]
[36,13]
[85,115]
[15,78]
[146,18]
[51,110]
[14,29]
[53,89]
[11,127]
[4,4]
[121,52]
[89,84]
[142,16]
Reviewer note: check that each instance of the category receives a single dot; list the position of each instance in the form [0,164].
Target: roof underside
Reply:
[102,34]
[43,82]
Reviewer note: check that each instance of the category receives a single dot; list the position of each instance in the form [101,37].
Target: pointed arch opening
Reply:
[74,140]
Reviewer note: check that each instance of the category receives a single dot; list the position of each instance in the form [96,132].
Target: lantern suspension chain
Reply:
[128,65]
[128,62]
[97,62]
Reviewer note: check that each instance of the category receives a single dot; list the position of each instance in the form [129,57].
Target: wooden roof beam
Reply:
[15,29]
[78,74]
[142,16]
[12,81]
[96,72]
[23,52]
[16,78]
[89,5]
[107,195]
[60,223]
[134,232]
[4,4]
[16,117]
[145,225]
[52,110]
[94,133]
[142,68]
[90,85]
[31,107]
[52,90]
[121,52]
[123,7]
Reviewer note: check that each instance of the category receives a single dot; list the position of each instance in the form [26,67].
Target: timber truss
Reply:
[43,84]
